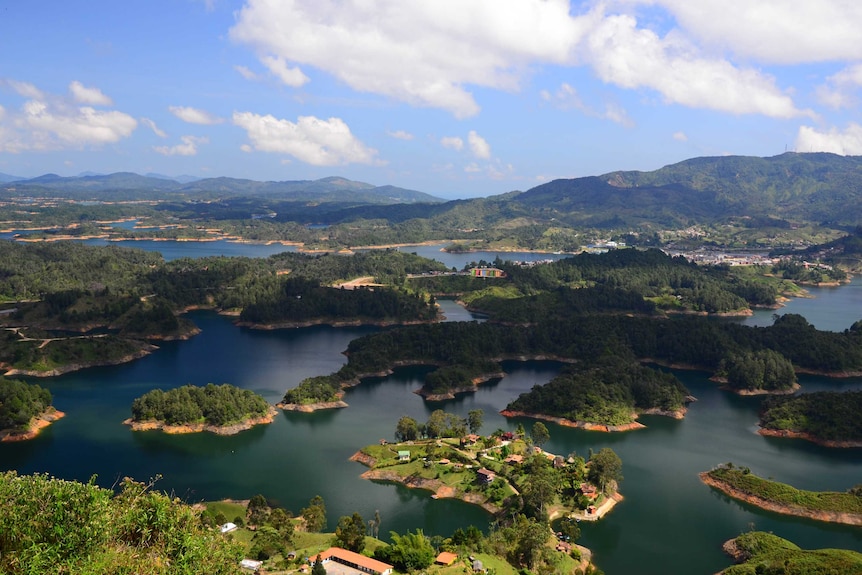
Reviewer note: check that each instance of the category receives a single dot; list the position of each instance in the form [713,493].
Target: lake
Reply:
[668,523]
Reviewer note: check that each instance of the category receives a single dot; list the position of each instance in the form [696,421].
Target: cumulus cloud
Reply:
[292,77]
[478,146]
[433,54]
[632,57]
[423,53]
[152,125]
[401,135]
[452,142]
[311,140]
[189,147]
[49,122]
[775,31]
[680,137]
[84,95]
[847,142]
[194,115]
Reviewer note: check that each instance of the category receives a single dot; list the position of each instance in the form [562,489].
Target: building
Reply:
[445,558]
[251,564]
[485,475]
[228,527]
[487,273]
[403,456]
[356,561]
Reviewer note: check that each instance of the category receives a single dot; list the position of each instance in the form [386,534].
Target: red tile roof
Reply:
[356,559]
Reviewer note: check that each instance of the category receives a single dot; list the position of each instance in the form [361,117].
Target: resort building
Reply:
[356,561]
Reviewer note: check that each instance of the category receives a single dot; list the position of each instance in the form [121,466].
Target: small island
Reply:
[25,410]
[833,507]
[220,409]
[759,552]
[762,372]
[827,418]
[501,472]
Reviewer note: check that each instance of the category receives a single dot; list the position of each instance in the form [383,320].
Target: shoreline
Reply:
[767,505]
[791,434]
[312,407]
[69,368]
[601,427]
[231,429]
[36,425]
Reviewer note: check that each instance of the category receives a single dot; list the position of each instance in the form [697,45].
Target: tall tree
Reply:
[350,533]
[318,568]
[407,429]
[314,515]
[540,434]
[475,419]
[605,467]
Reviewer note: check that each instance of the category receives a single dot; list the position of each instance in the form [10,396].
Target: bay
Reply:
[668,523]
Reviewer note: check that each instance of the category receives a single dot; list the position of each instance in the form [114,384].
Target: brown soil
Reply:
[201,427]
[37,424]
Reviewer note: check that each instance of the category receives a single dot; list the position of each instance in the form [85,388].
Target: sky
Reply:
[456,98]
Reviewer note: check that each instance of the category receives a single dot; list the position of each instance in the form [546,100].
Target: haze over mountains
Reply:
[787,189]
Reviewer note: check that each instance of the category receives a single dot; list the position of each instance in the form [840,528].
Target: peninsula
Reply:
[25,410]
[833,507]
[220,409]
[827,418]
[760,552]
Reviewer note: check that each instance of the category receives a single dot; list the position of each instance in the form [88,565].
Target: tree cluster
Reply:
[20,402]
[212,404]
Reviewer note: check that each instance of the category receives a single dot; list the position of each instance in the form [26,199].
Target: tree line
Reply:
[212,404]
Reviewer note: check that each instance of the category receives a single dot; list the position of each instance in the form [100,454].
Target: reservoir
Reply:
[668,523]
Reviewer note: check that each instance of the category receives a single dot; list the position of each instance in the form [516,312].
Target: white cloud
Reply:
[194,115]
[420,52]
[633,58]
[776,31]
[480,148]
[311,140]
[245,73]
[84,95]
[189,147]
[847,142]
[152,125]
[292,77]
[840,89]
[432,54]
[680,137]
[567,98]
[401,135]
[48,122]
[452,142]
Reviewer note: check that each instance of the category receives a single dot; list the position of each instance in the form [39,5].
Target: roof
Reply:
[446,558]
[250,564]
[228,527]
[355,558]
[404,454]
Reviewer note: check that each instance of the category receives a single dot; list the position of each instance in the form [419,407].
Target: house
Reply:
[251,564]
[515,459]
[564,547]
[228,527]
[470,439]
[487,273]
[589,490]
[478,567]
[508,436]
[445,558]
[356,561]
[403,456]
[485,475]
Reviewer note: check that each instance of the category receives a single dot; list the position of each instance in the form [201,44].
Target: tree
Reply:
[350,533]
[540,434]
[475,419]
[407,429]
[267,542]
[605,467]
[409,552]
[318,568]
[314,515]
[257,510]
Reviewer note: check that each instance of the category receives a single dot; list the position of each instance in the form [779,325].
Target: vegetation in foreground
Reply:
[217,405]
[766,554]
[821,416]
[781,494]
[50,526]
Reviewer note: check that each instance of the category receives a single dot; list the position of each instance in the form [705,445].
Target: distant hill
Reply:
[128,184]
[9,178]
[818,188]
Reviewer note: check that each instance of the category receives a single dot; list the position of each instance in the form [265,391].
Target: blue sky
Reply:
[457,98]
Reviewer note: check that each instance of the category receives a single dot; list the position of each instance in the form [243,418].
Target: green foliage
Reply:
[475,419]
[213,404]
[350,533]
[20,402]
[784,494]
[763,369]
[53,526]
[831,416]
[314,515]
[318,568]
[407,429]
[407,553]
[605,468]
[767,554]
[539,434]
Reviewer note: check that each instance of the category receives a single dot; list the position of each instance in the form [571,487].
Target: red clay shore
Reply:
[37,424]
[200,427]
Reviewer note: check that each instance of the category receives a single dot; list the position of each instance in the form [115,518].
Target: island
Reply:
[759,552]
[220,409]
[827,418]
[500,472]
[25,410]
[833,507]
